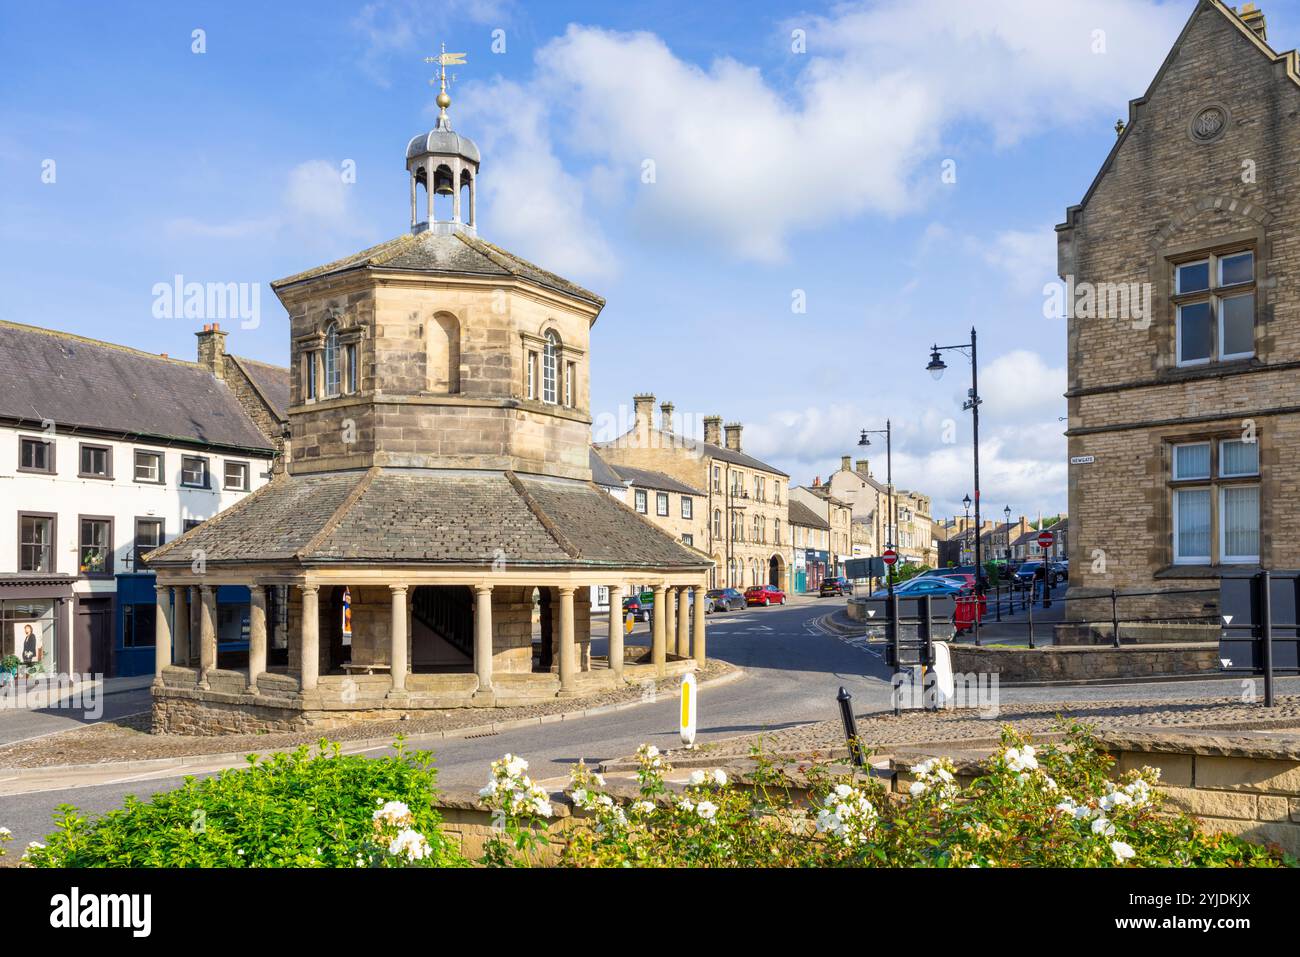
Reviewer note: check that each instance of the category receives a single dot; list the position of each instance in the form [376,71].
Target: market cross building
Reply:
[438,492]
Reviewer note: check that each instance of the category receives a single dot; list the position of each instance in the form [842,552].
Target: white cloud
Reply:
[745,162]
[1022,448]
[396,28]
[1028,257]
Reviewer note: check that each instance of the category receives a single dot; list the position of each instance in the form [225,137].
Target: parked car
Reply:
[764,595]
[639,605]
[1029,571]
[724,599]
[835,586]
[925,585]
[1062,569]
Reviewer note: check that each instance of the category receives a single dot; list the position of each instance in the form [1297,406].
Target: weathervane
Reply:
[444,60]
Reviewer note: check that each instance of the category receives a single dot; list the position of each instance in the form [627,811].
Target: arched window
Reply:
[550,363]
[331,360]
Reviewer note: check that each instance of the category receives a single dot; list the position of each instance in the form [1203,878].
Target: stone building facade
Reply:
[838,516]
[261,388]
[438,498]
[746,534]
[1183,327]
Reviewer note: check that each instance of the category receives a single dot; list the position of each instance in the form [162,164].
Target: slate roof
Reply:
[418,516]
[602,473]
[648,478]
[801,514]
[457,254]
[271,381]
[86,384]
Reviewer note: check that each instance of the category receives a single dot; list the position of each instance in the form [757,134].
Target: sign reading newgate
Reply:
[1082,459]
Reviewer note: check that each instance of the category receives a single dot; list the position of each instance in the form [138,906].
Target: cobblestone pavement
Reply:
[882,730]
[128,739]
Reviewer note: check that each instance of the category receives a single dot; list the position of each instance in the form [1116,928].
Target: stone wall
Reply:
[1086,663]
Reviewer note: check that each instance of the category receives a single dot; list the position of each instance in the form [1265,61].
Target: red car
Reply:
[764,595]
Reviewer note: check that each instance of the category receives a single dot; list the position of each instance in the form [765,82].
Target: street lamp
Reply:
[965,528]
[863,442]
[936,368]
[1007,528]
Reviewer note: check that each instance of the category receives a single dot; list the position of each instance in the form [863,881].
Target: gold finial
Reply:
[444,60]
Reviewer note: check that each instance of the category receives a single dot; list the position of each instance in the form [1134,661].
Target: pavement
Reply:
[794,666]
[78,704]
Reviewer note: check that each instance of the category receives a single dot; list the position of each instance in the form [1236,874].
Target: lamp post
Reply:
[965,529]
[863,441]
[972,403]
[1007,528]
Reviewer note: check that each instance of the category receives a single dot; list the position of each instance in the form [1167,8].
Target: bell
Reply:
[442,183]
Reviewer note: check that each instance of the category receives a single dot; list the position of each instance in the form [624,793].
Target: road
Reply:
[793,671]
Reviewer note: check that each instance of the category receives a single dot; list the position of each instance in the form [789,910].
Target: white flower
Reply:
[581,797]
[1103,827]
[1122,851]
[394,812]
[5,832]
[411,845]
[644,807]
[707,810]
[696,778]
[1067,806]
[604,800]
[598,779]
[843,790]
[686,805]
[720,777]
[541,806]
[917,788]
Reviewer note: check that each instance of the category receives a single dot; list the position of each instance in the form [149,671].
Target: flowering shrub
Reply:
[1054,806]
[6,836]
[300,809]
[518,808]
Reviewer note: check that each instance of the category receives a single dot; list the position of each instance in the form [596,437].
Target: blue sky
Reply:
[777,171]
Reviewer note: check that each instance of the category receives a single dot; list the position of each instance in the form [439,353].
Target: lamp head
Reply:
[937,365]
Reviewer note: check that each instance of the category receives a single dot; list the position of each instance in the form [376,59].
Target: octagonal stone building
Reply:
[437,516]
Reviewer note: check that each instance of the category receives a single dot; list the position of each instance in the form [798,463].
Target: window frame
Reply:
[207,472]
[350,360]
[332,375]
[312,392]
[110,548]
[661,505]
[53,519]
[1215,296]
[688,507]
[82,449]
[247,475]
[50,468]
[1215,483]
[136,548]
[640,501]
[550,367]
[162,466]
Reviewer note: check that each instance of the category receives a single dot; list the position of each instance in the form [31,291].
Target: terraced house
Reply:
[744,499]
[1184,421]
[107,452]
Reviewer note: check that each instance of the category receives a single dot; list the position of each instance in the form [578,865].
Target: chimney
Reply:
[864,469]
[644,404]
[713,429]
[666,411]
[1253,17]
[846,463]
[733,435]
[212,349]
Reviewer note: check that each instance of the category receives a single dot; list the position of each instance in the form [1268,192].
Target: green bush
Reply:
[299,809]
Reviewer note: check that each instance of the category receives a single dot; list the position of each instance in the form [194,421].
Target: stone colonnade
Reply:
[679,630]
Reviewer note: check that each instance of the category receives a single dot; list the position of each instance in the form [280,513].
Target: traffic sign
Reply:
[1046,540]
[890,557]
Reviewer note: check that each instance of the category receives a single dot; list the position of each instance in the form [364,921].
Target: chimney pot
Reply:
[666,411]
[846,463]
[644,404]
[713,429]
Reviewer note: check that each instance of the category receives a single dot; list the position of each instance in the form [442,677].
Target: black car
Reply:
[1062,569]
[725,599]
[835,586]
[1031,571]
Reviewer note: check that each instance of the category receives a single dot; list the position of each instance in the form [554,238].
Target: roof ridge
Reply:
[332,523]
[535,507]
[497,254]
[261,393]
[132,350]
[260,362]
[357,259]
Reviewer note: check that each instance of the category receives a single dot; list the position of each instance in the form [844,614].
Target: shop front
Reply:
[817,563]
[34,623]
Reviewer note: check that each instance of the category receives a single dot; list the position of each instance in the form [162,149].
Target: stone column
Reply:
[455,196]
[162,633]
[683,622]
[397,635]
[414,211]
[616,631]
[181,625]
[428,190]
[699,625]
[473,189]
[256,634]
[207,632]
[483,636]
[310,665]
[567,682]
[658,639]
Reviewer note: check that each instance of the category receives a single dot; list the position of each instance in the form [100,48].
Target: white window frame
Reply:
[640,501]
[1224,557]
[159,474]
[330,360]
[207,472]
[688,507]
[246,472]
[550,370]
[661,504]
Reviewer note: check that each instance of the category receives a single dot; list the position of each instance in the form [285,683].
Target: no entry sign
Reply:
[890,557]
[1046,540]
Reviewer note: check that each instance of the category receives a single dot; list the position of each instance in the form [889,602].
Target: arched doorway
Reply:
[776,571]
